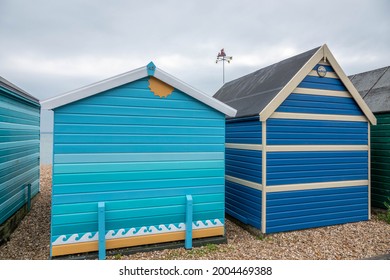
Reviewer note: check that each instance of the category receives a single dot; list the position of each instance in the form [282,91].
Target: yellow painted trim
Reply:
[243,182]
[313,148]
[254,147]
[264,177]
[323,92]
[84,247]
[326,117]
[312,186]
[332,75]
[159,88]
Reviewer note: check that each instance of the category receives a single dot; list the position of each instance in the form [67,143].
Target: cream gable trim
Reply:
[322,54]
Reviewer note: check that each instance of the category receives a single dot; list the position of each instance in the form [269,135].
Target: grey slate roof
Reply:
[374,87]
[11,87]
[250,94]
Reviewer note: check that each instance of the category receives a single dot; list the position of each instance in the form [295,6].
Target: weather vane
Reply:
[223,57]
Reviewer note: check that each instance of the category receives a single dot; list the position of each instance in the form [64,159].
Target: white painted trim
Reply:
[325,117]
[332,75]
[316,148]
[313,186]
[369,171]
[129,77]
[322,53]
[348,84]
[322,92]
[264,177]
[253,147]
[94,88]
[291,85]
[201,96]
[243,182]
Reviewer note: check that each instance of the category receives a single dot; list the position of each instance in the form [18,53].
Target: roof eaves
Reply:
[191,91]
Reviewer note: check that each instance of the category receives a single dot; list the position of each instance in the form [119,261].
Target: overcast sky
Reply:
[50,47]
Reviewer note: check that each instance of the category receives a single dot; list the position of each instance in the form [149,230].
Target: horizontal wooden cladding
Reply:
[137,139]
[134,241]
[136,148]
[78,123]
[246,132]
[135,175]
[316,132]
[297,148]
[317,104]
[322,83]
[293,210]
[243,203]
[135,157]
[380,161]
[19,153]
[155,219]
[244,164]
[103,187]
[137,204]
[328,117]
[315,167]
[323,92]
[86,131]
[136,166]
[157,213]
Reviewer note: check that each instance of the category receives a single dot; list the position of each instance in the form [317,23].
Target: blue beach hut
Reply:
[298,150]
[141,142]
[19,155]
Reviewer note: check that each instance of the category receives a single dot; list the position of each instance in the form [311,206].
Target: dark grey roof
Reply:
[374,87]
[250,94]
[17,90]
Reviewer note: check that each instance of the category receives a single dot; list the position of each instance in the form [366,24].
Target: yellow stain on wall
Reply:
[159,88]
[84,247]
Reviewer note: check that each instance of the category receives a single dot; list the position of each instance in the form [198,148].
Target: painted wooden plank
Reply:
[255,147]
[307,116]
[136,166]
[321,185]
[134,148]
[244,182]
[336,93]
[66,122]
[307,148]
[331,75]
[135,157]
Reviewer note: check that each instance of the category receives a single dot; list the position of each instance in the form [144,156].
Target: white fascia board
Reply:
[94,88]
[203,97]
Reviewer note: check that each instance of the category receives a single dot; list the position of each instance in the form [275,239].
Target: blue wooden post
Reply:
[28,197]
[189,204]
[102,230]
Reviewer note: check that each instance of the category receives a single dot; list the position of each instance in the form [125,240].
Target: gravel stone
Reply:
[341,242]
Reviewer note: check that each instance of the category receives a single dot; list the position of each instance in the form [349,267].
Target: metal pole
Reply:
[223,70]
